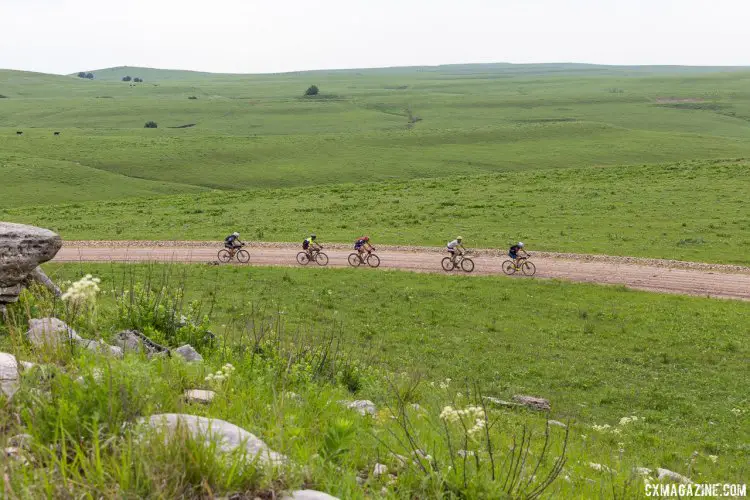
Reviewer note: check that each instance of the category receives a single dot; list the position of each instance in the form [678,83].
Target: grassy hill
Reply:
[247,131]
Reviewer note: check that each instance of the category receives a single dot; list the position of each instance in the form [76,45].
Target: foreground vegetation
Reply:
[663,211]
[598,353]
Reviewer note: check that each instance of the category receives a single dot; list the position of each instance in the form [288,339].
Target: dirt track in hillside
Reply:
[708,280]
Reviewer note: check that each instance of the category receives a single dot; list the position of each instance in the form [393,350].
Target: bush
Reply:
[312,90]
[150,124]
[138,80]
[192,97]
[90,76]
[82,74]
[3,96]
[126,78]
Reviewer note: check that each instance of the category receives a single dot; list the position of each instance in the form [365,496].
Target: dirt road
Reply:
[685,278]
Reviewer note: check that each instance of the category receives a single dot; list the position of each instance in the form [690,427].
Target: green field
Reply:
[258,131]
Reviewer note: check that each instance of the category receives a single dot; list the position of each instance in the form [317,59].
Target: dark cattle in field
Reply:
[57,133]
[19,133]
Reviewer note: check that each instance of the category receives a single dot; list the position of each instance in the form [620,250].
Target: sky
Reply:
[263,36]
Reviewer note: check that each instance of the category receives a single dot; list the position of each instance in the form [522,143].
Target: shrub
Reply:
[90,76]
[3,96]
[126,78]
[82,74]
[138,80]
[192,97]
[312,90]
[150,124]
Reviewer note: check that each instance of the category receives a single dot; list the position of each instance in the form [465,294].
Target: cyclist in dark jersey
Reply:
[513,253]
[363,244]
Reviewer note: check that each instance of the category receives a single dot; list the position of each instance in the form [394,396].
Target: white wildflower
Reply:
[627,420]
[599,467]
[737,411]
[602,428]
[82,291]
[713,458]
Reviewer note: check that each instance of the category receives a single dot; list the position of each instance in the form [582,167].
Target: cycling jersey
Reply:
[453,244]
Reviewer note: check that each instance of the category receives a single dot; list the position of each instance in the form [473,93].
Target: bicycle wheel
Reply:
[467,265]
[224,255]
[528,268]
[303,258]
[447,264]
[509,267]
[243,256]
[321,259]
[354,260]
[373,260]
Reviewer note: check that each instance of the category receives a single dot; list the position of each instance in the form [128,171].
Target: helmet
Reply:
[367,238]
[458,238]
[313,236]
[520,244]
[235,233]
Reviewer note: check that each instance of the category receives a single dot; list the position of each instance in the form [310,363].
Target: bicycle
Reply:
[355,259]
[526,267]
[460,261]
[304,258]
[225,255]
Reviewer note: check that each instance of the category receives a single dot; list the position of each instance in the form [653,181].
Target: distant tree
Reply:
[90,76]
[150,124]
[126,78]
[138,80]
[312,90]
[82,74]
[3,96]
[192,97]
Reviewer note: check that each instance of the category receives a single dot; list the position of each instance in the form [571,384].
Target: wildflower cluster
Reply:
[616,430]
[473,414]
[221,375]
[82,291]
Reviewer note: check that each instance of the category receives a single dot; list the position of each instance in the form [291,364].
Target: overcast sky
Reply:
[258,36]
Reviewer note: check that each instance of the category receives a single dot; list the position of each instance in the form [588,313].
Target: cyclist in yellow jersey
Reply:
[309,244]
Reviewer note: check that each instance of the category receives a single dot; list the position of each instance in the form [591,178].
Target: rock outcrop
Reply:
[22,249]
[308,495]
[188,353]
[53,333]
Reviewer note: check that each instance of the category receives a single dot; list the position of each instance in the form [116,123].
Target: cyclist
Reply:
[513,253]
[363,244]
[456,246]
[309,244]
[233,242]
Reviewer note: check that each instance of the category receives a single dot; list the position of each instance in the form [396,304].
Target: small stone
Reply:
[188,353]
[199,396]
[557,423]
[21,441]
[308,495]
[27,365]
[379,470]
[668,475]
[363,407]
[532,402]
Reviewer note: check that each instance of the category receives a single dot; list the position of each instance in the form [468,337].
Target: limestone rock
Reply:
[228,436]
[135,341]
[308,495]
[363,407]
[188,353]
[668,475]
[8,374]
[22,249]
[557,423]
[50,332]
[199,396]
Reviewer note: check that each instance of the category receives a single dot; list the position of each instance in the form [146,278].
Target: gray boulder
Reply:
[308,495]
[532,402]
[50,332]
[8,374]
[135,341]
[228,436]
[188,353]
[22,249]
[101,347]
[668,475]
